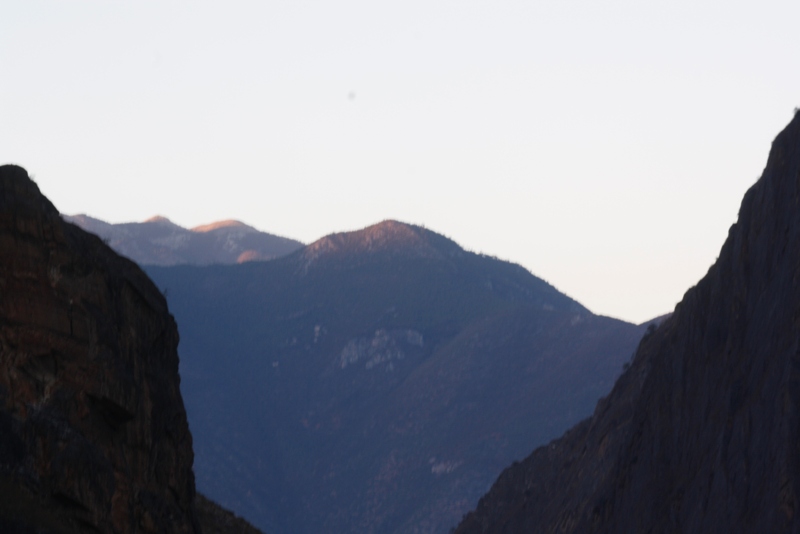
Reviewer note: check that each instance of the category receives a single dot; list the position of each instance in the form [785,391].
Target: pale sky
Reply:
[605,146]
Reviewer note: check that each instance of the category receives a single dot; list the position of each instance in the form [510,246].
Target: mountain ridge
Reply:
[388,237]
[403,365]
[226,223]
[159,241]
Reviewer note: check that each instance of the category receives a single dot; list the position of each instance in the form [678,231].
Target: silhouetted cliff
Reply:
[93,432]
[701,434]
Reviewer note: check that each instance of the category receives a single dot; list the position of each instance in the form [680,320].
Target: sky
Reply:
[604,146]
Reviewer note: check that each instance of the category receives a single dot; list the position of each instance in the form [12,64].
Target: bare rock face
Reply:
[93,432]
[701,434]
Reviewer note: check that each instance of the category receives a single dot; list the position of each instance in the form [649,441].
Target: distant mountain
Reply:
[701,434]
[159,241]
[378,381]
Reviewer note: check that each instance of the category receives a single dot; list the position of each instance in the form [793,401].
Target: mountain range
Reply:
[159,241]
[378,380]
[701,433]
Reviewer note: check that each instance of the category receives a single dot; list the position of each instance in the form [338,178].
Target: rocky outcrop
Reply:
[93,432]
[701,433]
[390,238]
[383,347]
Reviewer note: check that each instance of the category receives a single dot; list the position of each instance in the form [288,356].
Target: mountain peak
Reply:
[386,237]
[228,223]
[160,219]
[388,233]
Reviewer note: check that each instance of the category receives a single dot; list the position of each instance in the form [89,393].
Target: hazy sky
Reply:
[605,146]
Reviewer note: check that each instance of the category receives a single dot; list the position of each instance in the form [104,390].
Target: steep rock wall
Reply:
[93,432]
[701,433]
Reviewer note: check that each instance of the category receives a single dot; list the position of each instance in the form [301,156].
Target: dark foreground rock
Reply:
[216,520]
[93,432]
[702,433]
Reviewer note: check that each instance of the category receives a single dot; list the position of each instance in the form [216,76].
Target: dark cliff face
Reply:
[701,434]
[93,432]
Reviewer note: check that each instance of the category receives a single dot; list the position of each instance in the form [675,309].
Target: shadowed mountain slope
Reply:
[159,241]
[701,433]
[378,380]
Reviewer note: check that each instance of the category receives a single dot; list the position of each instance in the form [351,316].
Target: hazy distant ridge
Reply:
[159,241]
